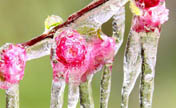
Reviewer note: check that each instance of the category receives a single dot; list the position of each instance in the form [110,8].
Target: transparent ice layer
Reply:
[39,49]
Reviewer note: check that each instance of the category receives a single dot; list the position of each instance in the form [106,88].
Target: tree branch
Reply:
[70,20]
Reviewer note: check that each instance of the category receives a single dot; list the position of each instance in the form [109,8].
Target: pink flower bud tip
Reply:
[12,64]
[146,4]
[77,57]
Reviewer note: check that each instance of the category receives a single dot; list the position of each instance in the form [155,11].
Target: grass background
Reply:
[21,20]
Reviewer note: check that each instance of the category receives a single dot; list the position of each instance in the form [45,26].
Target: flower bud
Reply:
[12,64]
[52,21]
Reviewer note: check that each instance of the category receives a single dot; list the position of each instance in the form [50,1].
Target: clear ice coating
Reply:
[39,49]
[96,17]
[57,93]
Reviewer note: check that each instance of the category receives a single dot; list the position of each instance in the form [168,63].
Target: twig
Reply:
[70,20]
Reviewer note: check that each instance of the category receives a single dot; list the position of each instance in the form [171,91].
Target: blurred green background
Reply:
[21,20]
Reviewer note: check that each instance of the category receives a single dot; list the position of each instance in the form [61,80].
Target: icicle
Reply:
[73,95]
[57,93]
[86,98]
[118,25]
[132,66]
[12,96]
[105,87]
[149,53]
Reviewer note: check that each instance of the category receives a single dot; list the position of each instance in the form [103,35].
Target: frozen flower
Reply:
[78,57]
[151,19]
[72,56]
[102,51]
[12,64]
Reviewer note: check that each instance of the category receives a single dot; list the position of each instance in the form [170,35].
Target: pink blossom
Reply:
[12,64]
[102,52]
[78,58]
[72,55]
[71,48]
[151,19]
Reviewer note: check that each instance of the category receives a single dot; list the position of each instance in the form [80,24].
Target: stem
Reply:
[12,96]
[57,93]
[73,95]
[149,53]
[70,20]
[132,66]
[86,98]
[105,87]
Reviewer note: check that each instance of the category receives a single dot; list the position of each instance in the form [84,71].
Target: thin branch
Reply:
[70,20]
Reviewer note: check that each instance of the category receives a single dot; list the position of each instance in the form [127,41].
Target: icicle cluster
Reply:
[141,49]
